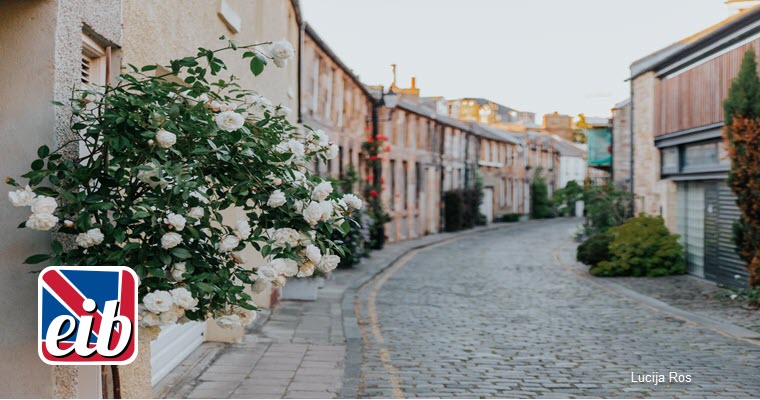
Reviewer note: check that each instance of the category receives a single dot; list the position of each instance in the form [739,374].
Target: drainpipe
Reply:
[632,164]
[442,140]
[301,40]
[377,168]
[466,160]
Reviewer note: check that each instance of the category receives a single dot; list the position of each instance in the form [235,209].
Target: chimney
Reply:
[740,6]
[393,69]
[414,83]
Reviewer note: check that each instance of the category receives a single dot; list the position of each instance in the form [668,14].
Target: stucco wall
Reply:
[40,44]
[27,48]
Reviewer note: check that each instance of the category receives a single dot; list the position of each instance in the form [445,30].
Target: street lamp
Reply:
[390,99]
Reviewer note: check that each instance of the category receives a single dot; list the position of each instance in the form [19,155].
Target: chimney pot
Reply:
[414,83]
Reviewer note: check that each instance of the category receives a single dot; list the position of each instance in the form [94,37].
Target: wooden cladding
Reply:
[695,97]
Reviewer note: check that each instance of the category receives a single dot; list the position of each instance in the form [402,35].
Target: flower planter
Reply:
[304,289]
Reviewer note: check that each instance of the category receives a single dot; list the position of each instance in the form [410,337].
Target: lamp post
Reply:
[390,100]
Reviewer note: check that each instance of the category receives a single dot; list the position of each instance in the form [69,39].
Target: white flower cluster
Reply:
[281,51]
[43,207]
[162,308]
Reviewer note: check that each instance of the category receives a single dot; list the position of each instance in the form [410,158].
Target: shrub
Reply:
[595,249]
[540,204]
[606,207]
[564,199]
[642,246]
[508,218]
[356,242]
[454,213]
[742,132]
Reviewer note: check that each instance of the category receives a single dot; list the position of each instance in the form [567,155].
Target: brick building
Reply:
[621,144]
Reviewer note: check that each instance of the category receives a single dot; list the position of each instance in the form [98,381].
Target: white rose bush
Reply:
[164,158]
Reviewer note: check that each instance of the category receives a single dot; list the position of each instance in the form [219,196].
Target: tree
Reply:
[742,132]
[541,206]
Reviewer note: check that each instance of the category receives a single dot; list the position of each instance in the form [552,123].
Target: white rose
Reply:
[306,238]
[238,257]
[321,191]
[158,301]
[323,140]
[170,317]
[280,281]
[170,240]
[329,262]
[146,175]
[259,105]
[42,222]
[281,51]
[313,253]
[733,296]
[276,199]
[312,213]
[285,236]
[183,298]
[266,273]
[284,266]
[246,316]
[165,138]
[21,198]
[149,319]
[327,210]
[296,148]
[177,271]
[282,111]
[259,286]
[229,243]
[298,206]
[90,238]
[332,151]
[243,229]
[229,121]
[175,220]
[352,201]
[196,212]
[306,270]
[44,205]
[277,181]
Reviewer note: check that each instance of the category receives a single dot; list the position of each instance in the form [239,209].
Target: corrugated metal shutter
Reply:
[723,262]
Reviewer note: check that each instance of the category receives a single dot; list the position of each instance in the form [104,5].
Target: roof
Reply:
[622,104]
[327,50]
[420,109]
[489,132]
[502,110]
[597,121]
[567,148]
[691,43]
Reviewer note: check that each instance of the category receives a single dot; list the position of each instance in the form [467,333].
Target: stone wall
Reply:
[646,169]
[621,146]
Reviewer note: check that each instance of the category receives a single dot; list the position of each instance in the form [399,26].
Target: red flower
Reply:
[382,180]
[388,148]
[373,193]
[382,137]
[371,139]
[373,157]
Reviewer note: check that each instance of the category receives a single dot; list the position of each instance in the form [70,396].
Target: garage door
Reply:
[722,264]
[486,207]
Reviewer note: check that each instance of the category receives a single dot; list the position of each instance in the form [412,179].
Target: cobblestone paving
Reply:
[498,314]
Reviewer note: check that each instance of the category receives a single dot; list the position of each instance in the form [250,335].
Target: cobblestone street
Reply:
[504,313]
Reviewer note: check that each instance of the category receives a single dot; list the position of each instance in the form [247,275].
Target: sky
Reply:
[569,56]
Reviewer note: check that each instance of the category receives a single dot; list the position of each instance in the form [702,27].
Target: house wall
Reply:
[346,120]
[502,170]
[621,146]
[41,52]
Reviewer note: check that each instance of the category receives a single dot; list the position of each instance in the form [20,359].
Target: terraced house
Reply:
[680,161]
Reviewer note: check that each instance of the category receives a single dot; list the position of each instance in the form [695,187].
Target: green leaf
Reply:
[205,287]
[37,258]
[257,66]
[181,253]
[149,68]
[38,165]
[43,151]
[165,258]
[57,247]
[102,206]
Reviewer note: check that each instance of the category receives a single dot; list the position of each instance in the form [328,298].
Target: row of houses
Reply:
[668,149]
[50,47]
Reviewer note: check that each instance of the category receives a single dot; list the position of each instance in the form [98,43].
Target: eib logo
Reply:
[87,315]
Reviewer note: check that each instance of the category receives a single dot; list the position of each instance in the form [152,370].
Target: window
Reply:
[392,175]
[93,62]
[329,99]
[670,159]
[405,183]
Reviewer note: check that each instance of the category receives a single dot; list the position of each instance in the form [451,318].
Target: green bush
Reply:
[606,207]
[564,199]
[642,246]
[595,249]
[462,209]
[540,205]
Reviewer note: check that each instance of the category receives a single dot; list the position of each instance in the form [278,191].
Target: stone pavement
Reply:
[503,314]
[299,351]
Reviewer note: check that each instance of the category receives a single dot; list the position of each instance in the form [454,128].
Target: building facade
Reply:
[621,145]
[558,124]
[502,168]
[681,163]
